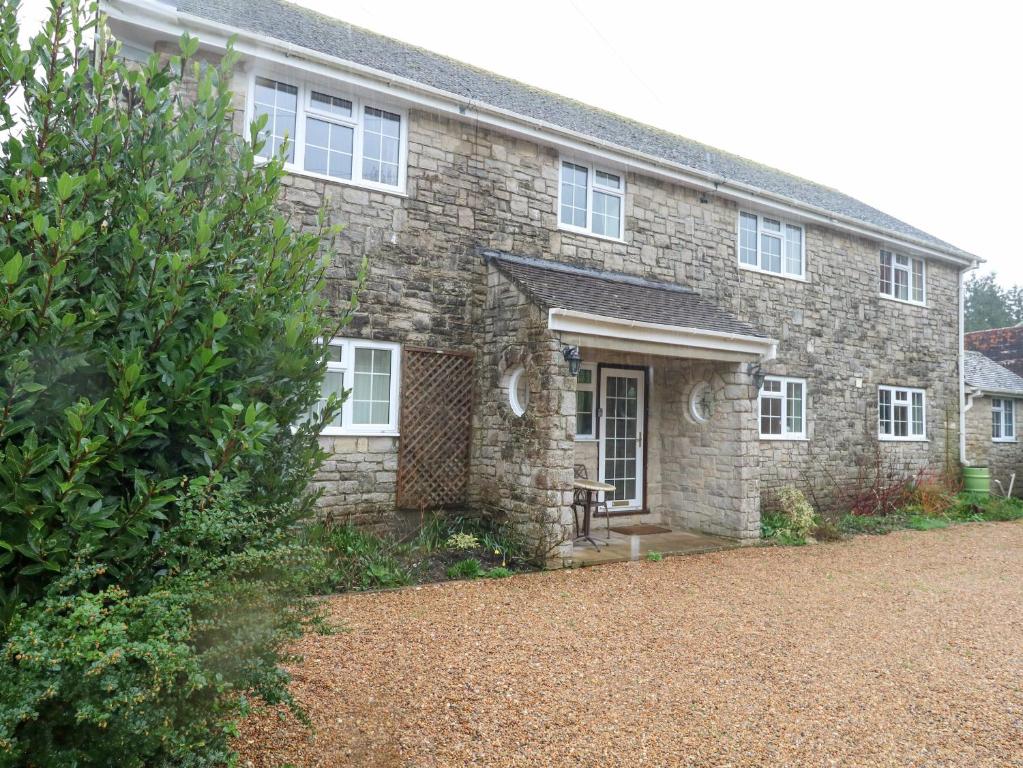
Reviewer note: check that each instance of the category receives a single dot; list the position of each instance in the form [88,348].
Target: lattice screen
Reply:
[436,429]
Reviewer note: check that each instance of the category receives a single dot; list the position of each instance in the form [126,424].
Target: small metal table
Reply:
[591,487]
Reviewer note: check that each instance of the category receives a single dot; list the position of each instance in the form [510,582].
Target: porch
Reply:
[643,386]
[621,547]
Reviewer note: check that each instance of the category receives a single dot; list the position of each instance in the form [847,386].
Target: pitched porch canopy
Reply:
[609,310]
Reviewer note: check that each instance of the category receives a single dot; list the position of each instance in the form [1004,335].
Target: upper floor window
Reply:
[584,403]
[782,408]
[771,245]
[592,200]
[330,134]
[368,370]
[1003,420]
[900,413]
[903,278]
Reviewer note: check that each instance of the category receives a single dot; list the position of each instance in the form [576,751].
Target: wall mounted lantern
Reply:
[757,372]
[573,359]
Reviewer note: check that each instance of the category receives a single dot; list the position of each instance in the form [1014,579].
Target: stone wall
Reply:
[470,187]
[522,465]
[981,451]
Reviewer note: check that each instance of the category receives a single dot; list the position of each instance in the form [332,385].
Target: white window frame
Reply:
[783,396]
[591,177]
[592,388]
[1004,405]
[895,393]
[306,85]
[908,269]
[347,366]
[785,225]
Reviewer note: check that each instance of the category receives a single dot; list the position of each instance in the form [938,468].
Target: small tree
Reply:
[158,321]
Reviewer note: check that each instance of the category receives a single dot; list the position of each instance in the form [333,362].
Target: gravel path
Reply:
[902,650]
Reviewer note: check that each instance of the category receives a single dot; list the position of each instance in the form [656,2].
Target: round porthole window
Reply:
[518,390]
[701,403]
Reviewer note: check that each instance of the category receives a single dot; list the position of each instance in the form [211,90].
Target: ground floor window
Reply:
[783,408]
[1003,420]
[369,371]
[901,413]
[584,403]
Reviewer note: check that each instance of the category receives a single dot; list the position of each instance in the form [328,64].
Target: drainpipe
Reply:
[963,405]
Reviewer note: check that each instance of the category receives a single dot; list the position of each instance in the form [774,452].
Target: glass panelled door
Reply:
[621,436]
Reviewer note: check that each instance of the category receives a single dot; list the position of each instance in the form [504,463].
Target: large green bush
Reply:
[158,320]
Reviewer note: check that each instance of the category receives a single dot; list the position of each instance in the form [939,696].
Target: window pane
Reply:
[1009,409]
[573,194]
[918,280]
[770,415]
[748,239]
[886,273]
[279,102]
[996,419]
[606,214]
[583,414]
[771,225]
[901,284]
[371,393]
[608,180]
[332,384]
[332,104]
[585,376]
[884,411]
[794,408]
[380,146]
[918,414]
[900,421]
[316,160]
[770,250]
[793,250]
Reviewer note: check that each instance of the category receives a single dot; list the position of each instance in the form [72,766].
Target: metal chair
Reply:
[579,502]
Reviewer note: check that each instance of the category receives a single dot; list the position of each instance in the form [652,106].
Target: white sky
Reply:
[913,107]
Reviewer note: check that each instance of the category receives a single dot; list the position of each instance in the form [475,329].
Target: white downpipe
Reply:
[963,406]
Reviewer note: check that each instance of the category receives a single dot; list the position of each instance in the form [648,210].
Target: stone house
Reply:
[1003,345]
[993,393]
[735,328]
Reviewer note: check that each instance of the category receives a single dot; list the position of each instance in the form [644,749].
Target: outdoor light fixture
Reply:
[572,358]
[757,372]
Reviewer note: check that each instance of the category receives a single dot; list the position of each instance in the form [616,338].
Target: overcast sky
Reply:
[912,107]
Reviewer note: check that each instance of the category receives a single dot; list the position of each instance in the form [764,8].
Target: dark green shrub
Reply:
[470,568]
[157,327]
[499,572]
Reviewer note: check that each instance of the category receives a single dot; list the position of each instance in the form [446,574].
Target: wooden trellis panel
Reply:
[436,429]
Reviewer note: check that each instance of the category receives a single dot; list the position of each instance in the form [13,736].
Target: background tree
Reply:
[988,305]
[158,320]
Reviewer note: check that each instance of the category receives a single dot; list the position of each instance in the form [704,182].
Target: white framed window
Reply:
[1003,420]
[901,413]
[585,403]
[591,200]
[331,134]
[903,278]
[782,408]
[369,371]
[767,244]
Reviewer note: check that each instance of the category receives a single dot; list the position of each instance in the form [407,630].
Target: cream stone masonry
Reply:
[1003,458]
[470,188]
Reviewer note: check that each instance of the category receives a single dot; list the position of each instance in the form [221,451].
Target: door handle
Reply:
[639,440]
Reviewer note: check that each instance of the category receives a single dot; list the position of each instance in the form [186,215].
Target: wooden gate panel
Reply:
[436,429]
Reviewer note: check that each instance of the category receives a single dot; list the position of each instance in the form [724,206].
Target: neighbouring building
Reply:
[736,328]
[1003,345]
[993,394]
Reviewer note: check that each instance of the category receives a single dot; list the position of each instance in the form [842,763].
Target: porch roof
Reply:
[614,310]
[985,375]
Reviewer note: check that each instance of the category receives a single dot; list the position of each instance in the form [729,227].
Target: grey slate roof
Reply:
[302,27]
[559,286]
[985,374]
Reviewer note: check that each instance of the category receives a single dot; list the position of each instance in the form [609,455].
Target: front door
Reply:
[621,436]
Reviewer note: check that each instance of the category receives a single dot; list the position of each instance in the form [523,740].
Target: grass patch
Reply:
[469,568]
[654,557]
[927,522]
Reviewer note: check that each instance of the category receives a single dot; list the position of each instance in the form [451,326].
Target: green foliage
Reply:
[355,560]
[988,305]
[470,568]
[791,521]
[462,541]
[654,557]
[871,524]
[157,328]
[499,572]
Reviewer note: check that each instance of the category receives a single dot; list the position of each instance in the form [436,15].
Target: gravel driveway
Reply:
[902,650]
